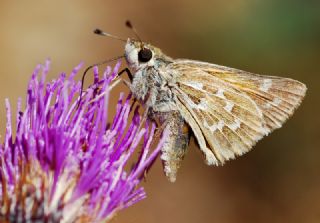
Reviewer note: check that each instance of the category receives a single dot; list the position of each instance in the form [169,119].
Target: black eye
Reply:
[144,55]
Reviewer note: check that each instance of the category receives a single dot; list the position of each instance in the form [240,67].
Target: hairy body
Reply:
[227,110]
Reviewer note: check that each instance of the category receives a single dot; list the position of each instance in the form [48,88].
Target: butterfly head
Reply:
[140,55]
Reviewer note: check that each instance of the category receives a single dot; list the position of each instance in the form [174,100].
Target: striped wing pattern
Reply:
[229,110]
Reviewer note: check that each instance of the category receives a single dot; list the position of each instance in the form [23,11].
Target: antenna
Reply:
[130,26]
[90,67]
[102,33]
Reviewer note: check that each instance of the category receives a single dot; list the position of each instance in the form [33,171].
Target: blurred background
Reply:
[278,181]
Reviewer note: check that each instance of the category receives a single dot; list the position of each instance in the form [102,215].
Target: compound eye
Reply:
[144,55]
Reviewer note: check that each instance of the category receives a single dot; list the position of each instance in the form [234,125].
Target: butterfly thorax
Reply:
[152,81]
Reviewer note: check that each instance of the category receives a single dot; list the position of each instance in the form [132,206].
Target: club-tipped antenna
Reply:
[130,26]
[89,68]
[102,33]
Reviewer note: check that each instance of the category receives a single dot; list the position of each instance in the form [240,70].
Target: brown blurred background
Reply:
[279,181]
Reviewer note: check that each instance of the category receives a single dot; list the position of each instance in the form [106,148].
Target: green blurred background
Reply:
[279,181]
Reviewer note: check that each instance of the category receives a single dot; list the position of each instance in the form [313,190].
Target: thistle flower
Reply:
[66,163]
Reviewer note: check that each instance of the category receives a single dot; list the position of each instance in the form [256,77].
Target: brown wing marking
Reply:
[232,109]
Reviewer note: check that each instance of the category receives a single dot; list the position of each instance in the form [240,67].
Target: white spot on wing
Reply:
[265,86]
[229,106]
[267,105]
[234,126]
[220,93]
[220,125]
[276,101]
[214,127]
[203,105]
[195,85]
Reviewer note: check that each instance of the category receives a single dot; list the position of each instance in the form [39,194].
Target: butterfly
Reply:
[227,110]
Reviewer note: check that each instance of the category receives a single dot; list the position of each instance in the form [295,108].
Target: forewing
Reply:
[233,108]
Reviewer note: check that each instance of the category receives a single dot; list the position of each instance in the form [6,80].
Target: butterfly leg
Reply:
[126,70]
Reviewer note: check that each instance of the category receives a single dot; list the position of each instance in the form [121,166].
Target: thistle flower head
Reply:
[66,163]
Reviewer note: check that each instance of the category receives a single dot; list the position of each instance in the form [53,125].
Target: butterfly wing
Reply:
[229,110]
